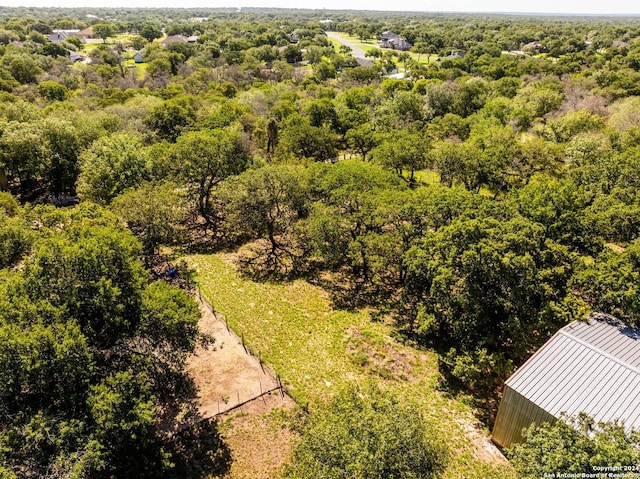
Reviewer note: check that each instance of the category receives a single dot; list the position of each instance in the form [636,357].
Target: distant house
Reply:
[85,34]
[174,39]
[192,39]
[534,47]
[591,367]
[326,24]
[394,41]
[452,56]
[59,36]
[138,56]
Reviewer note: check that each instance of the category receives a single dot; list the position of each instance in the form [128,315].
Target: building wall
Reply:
[516,413]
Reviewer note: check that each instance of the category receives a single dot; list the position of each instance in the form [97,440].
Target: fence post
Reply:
[280,386]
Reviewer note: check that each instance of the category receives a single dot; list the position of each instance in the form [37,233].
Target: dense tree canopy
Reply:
[582,446]
[92,352]
[479,203]
[368,433]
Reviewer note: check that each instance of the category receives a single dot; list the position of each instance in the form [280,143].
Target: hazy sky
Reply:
[536,6]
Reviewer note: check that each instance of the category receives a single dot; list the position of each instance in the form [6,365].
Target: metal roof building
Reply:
[591,367]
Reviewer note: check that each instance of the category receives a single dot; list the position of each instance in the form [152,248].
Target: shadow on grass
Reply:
[199,451]
[484,396]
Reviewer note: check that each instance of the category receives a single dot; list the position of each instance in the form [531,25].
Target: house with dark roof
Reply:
[590,367]
[59,36]
[392,40]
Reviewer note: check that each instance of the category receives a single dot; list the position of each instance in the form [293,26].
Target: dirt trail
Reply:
[227,375]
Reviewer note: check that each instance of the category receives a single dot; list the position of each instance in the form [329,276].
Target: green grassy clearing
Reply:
[87,48]
[428,177]
[365,45]
[370,43]
[336,44]
[317,349]
[139,68]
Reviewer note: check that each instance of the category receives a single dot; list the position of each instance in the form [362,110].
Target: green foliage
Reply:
[23,155]
[302,140]
[64,144]
[23,68]
[9,204]
[265,204]
[205,158]
[578,447]
[169,119]
[104,30]
[16,238]
[100,265]
[361,139]
[561,207]
[609,283]
[92,358]
[110,166]
[150,32]
[537,156]
[501,285]
[54,50]
[366,433]
[154,213]
[403,151]
[572,123]
[349,216]
[52,90]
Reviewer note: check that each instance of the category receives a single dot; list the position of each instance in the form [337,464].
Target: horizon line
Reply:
[240,8]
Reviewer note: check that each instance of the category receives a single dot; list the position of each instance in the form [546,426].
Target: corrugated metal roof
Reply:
[591,367]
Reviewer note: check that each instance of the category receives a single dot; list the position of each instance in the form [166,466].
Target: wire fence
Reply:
[271,387]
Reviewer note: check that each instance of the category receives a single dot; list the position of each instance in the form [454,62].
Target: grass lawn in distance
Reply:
[317,349]
[370,43]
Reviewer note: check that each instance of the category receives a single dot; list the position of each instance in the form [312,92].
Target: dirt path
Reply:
[227,376]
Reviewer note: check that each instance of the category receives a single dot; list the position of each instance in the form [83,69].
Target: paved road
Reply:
[357,52]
